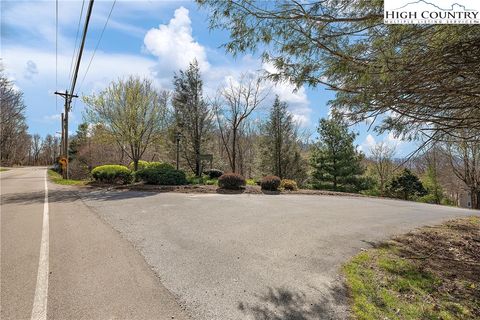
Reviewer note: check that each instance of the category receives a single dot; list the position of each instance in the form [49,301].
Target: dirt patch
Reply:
[430,273]
[216,189]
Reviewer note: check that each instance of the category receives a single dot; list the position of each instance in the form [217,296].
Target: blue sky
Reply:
[146,38]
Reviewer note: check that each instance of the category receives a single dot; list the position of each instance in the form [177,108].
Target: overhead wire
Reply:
[76,39]
[96,46]
[56,53]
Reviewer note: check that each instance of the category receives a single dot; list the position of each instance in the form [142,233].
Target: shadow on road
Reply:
[67,196]
[285,304]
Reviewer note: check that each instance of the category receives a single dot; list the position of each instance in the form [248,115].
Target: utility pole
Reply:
[68,96]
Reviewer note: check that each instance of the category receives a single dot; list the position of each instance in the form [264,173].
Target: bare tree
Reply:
[382,156]
[132,111]
[464,156]
[13,127]
[36,148]
[237,101]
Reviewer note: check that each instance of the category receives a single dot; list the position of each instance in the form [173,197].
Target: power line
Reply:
[56,53]
[98,43]
[76,39]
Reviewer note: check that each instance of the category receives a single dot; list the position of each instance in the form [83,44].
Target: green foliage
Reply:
[270,183]
[432,186]
[160,165]
[57,178]
[112,173]
[280,153]
[232,181]
[132,111]
[288,184]
[141,165]
[162,175]
[252,182]
[336,162]
[213,173]
[406,186]
[192,114]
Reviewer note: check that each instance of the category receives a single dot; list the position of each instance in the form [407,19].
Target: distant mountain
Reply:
[422,5]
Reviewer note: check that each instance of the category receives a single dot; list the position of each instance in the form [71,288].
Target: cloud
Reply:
[174,45]
[30,70]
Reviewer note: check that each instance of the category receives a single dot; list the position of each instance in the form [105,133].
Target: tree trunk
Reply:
[475,198]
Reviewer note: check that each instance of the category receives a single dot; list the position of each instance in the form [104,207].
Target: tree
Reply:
[383,166]
[237,101]
[279,151]
[13,127]
[192,114]
[414,79]
[132,111]
[464,158]
[406,186]
[335,160]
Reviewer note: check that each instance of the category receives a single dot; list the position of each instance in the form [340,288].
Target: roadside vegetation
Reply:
[57,178]
[430,273]
[383,76]
[3,169]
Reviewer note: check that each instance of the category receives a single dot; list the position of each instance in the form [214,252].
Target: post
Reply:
[63,137]
[178,148]
[65,128]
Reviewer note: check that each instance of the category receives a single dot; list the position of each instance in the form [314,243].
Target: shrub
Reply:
[112,173]
[160,165]
[232,181]
[141,165]
[214,173]
[270,183]
[288,184]
[162,175]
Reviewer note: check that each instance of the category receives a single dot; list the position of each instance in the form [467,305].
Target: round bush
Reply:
[288,184]
[160,165]
[232,181]
[112,173]
[162,176]
[214,173]
[270,183]
[141,165]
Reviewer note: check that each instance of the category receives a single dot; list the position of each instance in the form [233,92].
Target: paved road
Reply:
[93,273]
[257,256]
[216,256]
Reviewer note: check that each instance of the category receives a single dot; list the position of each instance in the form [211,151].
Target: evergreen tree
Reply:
[406,186]
[192,114]
[279,150]
[336,162]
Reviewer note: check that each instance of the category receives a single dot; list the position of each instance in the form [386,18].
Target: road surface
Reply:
[93,273]
[211,256]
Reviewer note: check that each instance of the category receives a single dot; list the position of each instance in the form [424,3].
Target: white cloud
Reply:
[174,45]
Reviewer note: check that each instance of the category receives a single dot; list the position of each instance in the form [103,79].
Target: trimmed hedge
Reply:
[214,173]
[288,184]
[232,181]
[141,165]
[112,173]
[160,165]
[270,183]
[162,175]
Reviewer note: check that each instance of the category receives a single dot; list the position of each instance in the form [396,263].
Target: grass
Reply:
[432,273]
[55,177]
[3,169]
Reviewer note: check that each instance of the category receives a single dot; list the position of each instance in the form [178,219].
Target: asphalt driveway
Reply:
[257,256]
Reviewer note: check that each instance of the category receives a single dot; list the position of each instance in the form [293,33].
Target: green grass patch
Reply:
[3,169]
[411,278]
[55,177]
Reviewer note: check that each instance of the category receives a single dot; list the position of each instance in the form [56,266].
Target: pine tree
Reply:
[193,115]
[279,150]
[336,162]
[406,186]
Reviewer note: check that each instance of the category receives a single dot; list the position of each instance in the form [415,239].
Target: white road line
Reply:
[39,311]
